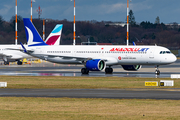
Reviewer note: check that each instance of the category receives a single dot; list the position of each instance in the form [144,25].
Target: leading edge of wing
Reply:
[67,57]
[78,58]
[22,50]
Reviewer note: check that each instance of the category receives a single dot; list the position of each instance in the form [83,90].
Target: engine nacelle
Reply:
[131,67]
[95,65]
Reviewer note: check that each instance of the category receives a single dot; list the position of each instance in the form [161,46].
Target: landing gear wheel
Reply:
[6,63]
[19,62]
[157,72]
[108,70]
[84,71]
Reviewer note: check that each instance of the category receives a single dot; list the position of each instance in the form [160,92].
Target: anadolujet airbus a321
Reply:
[94,57]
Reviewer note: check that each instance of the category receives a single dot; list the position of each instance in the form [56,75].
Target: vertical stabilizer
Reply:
[55,36]
[32,35]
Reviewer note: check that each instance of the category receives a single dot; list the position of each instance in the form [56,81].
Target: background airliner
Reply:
[13,55]
[94,57]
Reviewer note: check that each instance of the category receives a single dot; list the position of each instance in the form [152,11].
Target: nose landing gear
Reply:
[157,71]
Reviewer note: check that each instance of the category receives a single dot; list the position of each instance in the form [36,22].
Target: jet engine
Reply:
[95,65]
[131,67]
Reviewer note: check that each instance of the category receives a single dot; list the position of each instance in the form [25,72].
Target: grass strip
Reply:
[20,108]
[56,82]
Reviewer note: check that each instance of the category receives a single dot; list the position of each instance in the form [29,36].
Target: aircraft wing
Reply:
[78,58]
[68,57]
[2,54]
[14,49]
[22,50]
[6,56]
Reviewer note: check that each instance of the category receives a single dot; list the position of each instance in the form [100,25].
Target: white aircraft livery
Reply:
[94,57]
[12,55]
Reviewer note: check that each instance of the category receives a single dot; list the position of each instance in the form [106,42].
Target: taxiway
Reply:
[173,94]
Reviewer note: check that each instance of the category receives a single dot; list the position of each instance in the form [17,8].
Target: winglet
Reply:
[23,47]
[134,43]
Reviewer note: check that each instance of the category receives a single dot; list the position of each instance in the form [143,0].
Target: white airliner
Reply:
[13,55]
[94,57]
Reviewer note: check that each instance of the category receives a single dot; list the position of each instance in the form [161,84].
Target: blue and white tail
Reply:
[32,35]
[55,36]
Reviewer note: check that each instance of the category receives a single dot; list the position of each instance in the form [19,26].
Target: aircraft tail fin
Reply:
[55,36]
[32,35]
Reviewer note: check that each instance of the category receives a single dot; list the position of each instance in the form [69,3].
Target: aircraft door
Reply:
[151,54]
[74,51]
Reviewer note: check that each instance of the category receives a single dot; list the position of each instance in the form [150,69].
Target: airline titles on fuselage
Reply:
[130,49]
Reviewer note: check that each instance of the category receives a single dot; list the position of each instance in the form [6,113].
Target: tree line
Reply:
[145,33]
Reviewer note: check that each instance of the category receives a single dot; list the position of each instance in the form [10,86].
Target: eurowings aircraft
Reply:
[10,55]
[55,36]
[94,57]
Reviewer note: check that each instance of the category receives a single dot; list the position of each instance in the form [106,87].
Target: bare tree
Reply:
[157,21]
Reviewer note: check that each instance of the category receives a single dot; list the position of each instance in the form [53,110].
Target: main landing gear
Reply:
[84,71]
[157,72]
[19,62]
[6,63]
[108,70]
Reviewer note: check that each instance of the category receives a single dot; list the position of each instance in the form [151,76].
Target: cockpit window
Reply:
[165,52]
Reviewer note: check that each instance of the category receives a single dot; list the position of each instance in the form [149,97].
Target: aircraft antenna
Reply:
[127,22]
[16,24]
[74,41]
[39,10]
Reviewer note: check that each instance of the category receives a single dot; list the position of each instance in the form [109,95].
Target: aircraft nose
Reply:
[173,58]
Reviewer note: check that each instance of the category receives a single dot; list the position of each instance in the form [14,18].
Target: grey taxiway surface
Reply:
[50,69]
[174,94]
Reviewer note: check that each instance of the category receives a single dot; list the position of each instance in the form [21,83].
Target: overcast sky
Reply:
[100,10]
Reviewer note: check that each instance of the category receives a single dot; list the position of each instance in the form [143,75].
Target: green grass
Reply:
[12,108]
[54,82]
